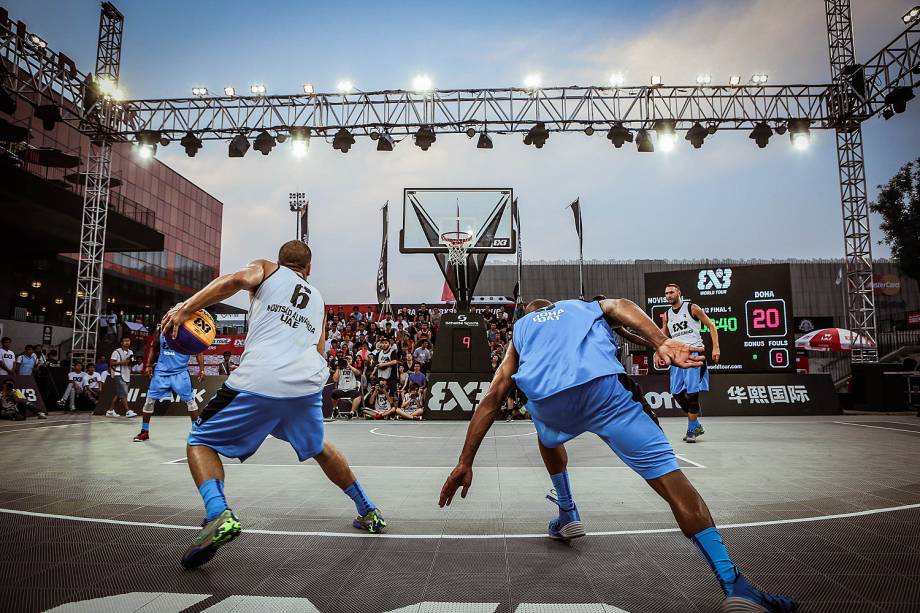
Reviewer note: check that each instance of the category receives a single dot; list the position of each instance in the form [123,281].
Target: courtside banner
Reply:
[454,395]
[26,384]
[137,395]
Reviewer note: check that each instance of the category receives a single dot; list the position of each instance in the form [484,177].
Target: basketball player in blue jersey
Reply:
[277,390]
[170,375]
[683,323]
[563,359]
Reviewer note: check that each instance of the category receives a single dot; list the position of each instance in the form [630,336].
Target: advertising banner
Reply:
[27,386]
[137,395]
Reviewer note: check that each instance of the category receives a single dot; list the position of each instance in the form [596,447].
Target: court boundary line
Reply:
[847,423]
[374,431]
[754,524]
[42,427]
[689,461]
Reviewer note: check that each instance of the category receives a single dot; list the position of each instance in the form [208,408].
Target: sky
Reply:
[726,200]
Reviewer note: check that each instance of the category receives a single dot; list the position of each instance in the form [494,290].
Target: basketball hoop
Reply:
[458,243]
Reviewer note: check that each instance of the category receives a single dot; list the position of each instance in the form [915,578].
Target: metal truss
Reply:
[896,65]
[852,173]
[96,193]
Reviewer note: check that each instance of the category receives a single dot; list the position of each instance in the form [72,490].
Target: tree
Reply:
[899,205]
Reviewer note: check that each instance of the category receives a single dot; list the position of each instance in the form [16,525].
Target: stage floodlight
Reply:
[265,142]
[36,40]
[589,130]
[696,135]
[280,137]
[308,89]
[471,132]
[199,91]
[759,79]
[532,81]
[229,91]
[619,134]
[911,16]
[424,138]
[191,144]
[800,133]
[374,135]
[421,84]
[734,80]
[667,137]
[761,134]
[238,146]
[616,79]
[300,141]
[899,97]
[887,113]
[703,79]
[385,142]
[655,80]
[345,86]
[537,135]
[485,141]
[145,152]
[343,140]
[644,142]
[257,88]
[49,114]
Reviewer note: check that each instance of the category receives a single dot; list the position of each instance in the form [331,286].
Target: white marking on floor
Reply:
[374,431]
[847,423]
[8,431]
[754,524]
[689,461]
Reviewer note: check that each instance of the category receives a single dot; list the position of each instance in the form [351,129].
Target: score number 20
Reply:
[765,318]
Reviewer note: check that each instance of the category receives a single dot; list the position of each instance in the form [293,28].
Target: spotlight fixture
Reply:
[703,79]
[696,135]
[734,80]
[655,81]
[616,79]
[49,114]
[345,87]
[485,141]
[343,140]
[911,16]
[589,130]
[887,113]
[300,141]
[36,40]
[471,132]
[191,144]
[898,98]
[238,146]
[781,129]
[265,142]
[147,141]
[644,142]
[230,91]
[799,133]
[421,84]
[759,79]
[618,134]
[257,88]
[532,81]
[374,135]
[308,89]
[199,91]
[667,138]
[537,135]
[424,138]
[761,134]
[165,140]
[385,142]
[280,137]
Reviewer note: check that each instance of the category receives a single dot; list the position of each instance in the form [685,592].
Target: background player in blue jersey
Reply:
[170,375]
[562,357]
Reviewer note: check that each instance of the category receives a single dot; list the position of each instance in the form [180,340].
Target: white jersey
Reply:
[683,327]
[285,324]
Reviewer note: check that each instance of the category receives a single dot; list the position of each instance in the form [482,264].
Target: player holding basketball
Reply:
[170,375]
[563,359]
[276,390]
[683,323]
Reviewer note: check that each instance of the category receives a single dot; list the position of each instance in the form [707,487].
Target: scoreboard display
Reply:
[750,306]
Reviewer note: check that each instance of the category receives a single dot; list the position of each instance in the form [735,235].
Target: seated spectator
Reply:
[92,384]
[13,404]
[347,381]
[380,403]
[26,361]
[492,333]
[412,404]
[403,381]
[76,382]
[417,377]
[226,366]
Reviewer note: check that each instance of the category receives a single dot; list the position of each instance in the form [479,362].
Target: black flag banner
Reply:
[383,289]
[576,210]
[304,224]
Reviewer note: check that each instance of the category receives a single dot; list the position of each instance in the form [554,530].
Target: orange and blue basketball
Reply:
[195,335]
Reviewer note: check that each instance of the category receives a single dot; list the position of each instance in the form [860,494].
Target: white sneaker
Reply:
[111,413]
[130,413]
[42,416]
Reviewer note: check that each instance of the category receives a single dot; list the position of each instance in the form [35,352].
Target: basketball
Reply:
[195,335]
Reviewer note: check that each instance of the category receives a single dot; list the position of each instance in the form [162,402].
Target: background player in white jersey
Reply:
[683,323]
[276,390]
[169,370]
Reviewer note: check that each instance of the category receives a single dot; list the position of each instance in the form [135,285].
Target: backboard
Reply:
[430,212]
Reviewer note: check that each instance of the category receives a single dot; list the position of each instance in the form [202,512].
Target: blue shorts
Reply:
[607,408]
[690,380]
[162,386]
[234,423]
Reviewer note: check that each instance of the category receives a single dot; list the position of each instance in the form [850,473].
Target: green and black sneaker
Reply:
[373,522]
[214,534]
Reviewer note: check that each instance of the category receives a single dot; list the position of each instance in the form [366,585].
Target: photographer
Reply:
[380,403]
[412,403]
[347,381]
[13,404]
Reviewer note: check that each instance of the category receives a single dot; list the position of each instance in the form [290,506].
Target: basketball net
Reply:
[458,243]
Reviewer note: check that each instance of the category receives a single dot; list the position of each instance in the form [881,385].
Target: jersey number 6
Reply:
[301,297]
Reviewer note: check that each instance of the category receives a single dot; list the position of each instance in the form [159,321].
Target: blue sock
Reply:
[362,503]
[145,427]
[563,490]
[212,491]
[693,425]
[713,549]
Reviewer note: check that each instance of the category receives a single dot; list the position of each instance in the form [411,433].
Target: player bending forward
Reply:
[170,375]
[563,359]
[276,390]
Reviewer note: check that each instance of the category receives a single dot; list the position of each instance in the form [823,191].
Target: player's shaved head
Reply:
[539,303]
[295,254]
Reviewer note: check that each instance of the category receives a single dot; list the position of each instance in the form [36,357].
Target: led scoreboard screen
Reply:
[750,306]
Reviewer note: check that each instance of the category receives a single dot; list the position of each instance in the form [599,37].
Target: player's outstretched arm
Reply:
[483,417]
[669,351]
[633,338]
[217,290]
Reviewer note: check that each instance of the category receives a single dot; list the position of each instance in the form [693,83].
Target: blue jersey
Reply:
[170,362]
[562,346]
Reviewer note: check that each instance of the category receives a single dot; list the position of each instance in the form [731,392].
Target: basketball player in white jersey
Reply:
[276,390]
[683,323]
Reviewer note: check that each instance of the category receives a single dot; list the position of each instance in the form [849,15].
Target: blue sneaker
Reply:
[690,437]
[745,598]
[699,431]
[568,525]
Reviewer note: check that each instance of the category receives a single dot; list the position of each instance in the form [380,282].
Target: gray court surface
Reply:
[826,509]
